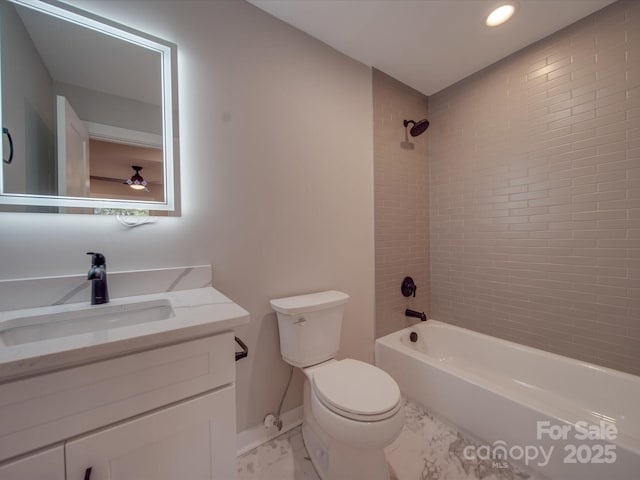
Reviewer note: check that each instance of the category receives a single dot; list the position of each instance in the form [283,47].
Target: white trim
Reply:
[87,20]
[124,136]
[253,437]
[86,202]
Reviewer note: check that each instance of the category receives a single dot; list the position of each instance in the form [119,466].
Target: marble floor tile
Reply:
[283,458]
[426,449]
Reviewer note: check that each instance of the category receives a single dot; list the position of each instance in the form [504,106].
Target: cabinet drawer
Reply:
[42,410]
[47,465]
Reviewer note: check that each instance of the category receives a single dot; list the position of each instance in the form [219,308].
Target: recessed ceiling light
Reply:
[500,15]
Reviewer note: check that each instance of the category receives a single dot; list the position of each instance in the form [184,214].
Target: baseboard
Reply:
[255,436]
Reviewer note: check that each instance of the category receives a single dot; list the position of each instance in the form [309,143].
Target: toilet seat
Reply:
[356,390]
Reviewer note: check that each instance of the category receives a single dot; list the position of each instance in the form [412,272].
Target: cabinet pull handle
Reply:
[87,474]
[245,349]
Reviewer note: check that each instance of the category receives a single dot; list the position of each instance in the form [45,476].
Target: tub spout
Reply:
[412,313]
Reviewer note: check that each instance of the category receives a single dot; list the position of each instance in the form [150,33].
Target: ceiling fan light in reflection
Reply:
[136,181]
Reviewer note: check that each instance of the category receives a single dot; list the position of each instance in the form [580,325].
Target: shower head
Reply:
[418,127]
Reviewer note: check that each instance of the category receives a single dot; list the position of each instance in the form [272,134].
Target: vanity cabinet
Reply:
[189,440]
[162,414]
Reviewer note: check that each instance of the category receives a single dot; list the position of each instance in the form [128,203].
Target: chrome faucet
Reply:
[412,313]
[98,276]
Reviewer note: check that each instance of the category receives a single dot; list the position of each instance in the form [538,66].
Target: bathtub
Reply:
[561,418]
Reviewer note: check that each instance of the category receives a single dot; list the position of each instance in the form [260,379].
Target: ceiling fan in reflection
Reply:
[137,182]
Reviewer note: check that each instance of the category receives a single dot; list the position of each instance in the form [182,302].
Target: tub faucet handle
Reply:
[408,287]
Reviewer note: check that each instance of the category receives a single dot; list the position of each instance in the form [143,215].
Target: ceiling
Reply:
[83,57]
[427,44]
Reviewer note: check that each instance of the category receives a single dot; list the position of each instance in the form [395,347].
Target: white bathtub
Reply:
[520,400]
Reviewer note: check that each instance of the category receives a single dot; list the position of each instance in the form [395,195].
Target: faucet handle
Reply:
[408,287]
[97,258]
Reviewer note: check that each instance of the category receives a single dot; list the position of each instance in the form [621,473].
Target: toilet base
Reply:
[318,452]
[340,462]
[335,461]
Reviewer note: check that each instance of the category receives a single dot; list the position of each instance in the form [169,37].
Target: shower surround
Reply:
[401,198]
[535,194]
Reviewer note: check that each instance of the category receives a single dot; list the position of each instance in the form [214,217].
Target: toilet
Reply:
[352,409]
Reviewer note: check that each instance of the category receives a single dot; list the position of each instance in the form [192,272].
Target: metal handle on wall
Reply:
[408,287]
[245,350]
[5,131]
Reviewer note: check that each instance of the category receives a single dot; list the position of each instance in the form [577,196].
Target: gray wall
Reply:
[277,182]
[27,109]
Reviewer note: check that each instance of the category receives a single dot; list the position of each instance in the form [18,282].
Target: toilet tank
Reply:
[310,326]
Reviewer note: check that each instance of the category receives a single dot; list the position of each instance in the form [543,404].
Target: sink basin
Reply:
[45,338]
[89,319]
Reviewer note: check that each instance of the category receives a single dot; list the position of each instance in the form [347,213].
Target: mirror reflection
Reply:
[84,110]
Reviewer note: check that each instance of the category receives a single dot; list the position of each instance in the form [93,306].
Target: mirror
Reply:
[87,111]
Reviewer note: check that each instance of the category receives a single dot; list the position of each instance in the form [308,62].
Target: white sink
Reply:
[41,339]
[89,319]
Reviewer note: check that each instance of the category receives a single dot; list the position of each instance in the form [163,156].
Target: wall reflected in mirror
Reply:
[83,107]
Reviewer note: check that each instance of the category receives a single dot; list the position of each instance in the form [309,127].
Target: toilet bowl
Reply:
[356,403]
[352,409]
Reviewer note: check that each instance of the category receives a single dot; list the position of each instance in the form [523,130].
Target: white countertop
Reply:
[197,313]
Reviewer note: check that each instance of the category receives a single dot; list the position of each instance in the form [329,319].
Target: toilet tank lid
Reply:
[309,303]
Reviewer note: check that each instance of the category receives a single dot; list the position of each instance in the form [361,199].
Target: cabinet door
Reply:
[47,465]
[194,440]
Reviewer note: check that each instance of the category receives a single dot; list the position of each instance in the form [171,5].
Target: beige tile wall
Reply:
[401,202]
[535,194]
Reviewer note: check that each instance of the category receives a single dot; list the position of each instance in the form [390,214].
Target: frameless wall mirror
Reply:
[88,113]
